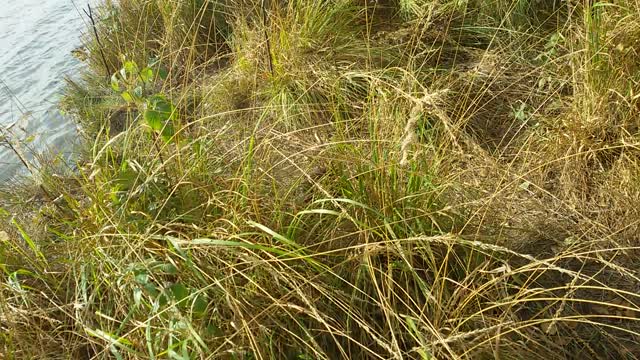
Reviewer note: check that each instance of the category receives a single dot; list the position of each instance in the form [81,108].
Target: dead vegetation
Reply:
[344,179]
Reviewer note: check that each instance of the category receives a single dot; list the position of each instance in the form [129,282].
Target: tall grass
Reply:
[338,180]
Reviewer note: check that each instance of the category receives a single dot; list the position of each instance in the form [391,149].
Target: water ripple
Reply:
[36,39]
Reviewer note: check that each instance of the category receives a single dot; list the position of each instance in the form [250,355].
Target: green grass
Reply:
[342,179]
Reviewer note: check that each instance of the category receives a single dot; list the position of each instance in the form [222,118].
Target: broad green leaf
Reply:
[163,300]
[159,110]
[127,96]
[163,73]
[131,67]
[151,289]
[142,277]
[178,292]
[167,132]
[159,114]
[146,74]
[154,119]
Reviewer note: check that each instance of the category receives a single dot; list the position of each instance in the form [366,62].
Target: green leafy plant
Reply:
[550,51]
[160,114]
[134,83]
[130,81]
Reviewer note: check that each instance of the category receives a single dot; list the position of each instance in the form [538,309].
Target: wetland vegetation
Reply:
[337,179]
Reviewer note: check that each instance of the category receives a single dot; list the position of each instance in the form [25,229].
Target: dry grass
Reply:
[346,180]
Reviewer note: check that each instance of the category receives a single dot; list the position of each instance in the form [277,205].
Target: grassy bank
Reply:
[343,179]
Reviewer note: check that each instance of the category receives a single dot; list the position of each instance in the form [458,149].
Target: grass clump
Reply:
[337,179]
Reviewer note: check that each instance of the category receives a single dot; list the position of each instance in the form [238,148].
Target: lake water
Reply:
[36,40]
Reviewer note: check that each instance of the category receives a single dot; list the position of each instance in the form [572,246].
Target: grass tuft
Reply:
[344,179]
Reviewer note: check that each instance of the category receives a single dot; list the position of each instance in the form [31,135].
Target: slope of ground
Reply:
[345,179]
